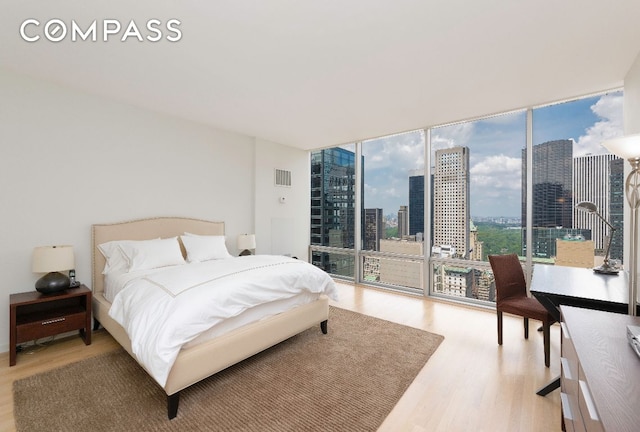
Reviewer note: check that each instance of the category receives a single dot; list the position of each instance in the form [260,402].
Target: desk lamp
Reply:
[606,267]
[628,147]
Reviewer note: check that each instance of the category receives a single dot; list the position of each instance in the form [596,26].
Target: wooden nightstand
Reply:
[34,315]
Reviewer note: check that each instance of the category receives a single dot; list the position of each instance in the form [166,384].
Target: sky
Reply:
[495,150]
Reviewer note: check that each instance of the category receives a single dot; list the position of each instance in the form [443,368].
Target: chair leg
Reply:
[526,328]
[499,328]
[546,335]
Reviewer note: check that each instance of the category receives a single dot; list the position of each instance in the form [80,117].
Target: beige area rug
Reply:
[347,380]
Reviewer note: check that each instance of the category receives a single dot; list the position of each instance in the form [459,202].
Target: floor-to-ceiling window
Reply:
[472,199]
[393,217]
[475,179]
[572,175]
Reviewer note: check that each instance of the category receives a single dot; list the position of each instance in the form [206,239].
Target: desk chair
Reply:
[511,297]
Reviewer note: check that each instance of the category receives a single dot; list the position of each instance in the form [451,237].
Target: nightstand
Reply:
[34,315]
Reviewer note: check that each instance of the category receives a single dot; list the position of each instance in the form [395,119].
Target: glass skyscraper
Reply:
[333,198]
[416,203]
[552,192]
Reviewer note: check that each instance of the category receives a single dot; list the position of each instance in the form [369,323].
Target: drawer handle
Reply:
[566,370]
[565,330]
[566,407]
[53,321]
[587,399]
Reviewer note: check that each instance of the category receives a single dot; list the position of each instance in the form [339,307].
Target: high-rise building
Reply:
[475,253]
[552,191]
[333,198]
[592,182]
[451,200]
[373,228]
[416,202]
[403,221]
[552,184]
[616,207]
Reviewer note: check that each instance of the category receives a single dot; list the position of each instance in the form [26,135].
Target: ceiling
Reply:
[314,74]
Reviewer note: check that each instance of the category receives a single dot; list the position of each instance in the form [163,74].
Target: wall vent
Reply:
[283,178]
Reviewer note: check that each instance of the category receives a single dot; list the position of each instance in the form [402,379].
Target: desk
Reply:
[572,286]
[557,285]
[606,371]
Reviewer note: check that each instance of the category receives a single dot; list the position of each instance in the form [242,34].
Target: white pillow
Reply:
[150,254]
[116,262]
[204,248]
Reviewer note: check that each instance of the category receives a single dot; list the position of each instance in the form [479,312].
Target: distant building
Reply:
[416,202]
[552,184]
[373,228]
[552,192]
[475,253]
[333,201]
[403,221]
[453,281]
[451,199]
[544,239]
[592,182]
[398,271]
[616,206]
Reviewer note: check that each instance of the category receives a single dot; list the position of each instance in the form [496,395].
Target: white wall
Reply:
[631,126]
[632,99]
[69,160]
[282,228]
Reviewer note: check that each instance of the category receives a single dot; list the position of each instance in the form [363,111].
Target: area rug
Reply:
[346,380]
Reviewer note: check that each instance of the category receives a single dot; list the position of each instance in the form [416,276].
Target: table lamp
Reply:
[52,260]
[606,267]
[245,243]
[628,147]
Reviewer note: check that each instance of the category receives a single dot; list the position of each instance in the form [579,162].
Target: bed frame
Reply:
[201,361]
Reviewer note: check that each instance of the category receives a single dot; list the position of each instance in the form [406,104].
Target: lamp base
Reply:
[52,283]
[607,270]
[245,252]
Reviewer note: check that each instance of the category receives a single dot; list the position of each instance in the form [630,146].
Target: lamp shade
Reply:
[587,206]
[246,241]
[52,259]
[626,147]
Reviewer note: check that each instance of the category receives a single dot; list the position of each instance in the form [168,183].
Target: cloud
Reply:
[403,150]
[452,136]
[497,172]
[609,110]
[387,164]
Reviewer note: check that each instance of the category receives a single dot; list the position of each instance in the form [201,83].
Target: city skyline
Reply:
[495,147]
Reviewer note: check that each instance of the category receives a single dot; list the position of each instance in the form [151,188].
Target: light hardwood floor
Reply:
[469,384]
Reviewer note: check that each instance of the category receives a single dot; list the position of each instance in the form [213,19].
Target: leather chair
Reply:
[511,297]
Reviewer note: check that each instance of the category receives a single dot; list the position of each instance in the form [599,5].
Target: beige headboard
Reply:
[143,229]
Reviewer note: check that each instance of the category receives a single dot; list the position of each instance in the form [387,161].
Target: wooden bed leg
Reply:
[96,324]
[172,405]
[323,326]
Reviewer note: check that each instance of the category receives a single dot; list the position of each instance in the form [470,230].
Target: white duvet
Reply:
[164,309]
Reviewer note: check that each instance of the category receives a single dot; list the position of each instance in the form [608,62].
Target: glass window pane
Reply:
[393,215]
[337,264]
[476,177]
[333,207]
[393,190]
[570,166]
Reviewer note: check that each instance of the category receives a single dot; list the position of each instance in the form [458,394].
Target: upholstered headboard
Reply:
[143,229]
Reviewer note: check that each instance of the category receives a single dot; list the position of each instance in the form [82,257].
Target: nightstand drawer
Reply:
[50,326]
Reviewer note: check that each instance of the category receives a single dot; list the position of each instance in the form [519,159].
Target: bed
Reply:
[207,355]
